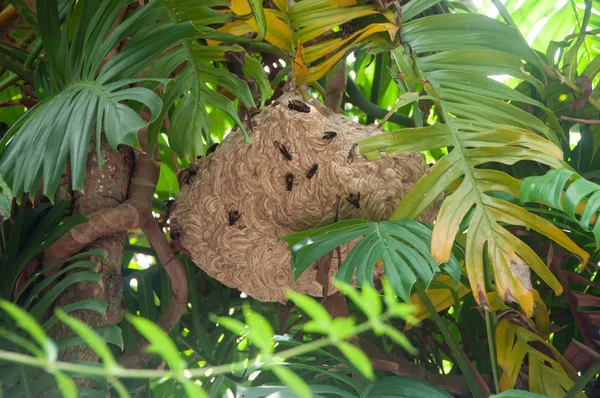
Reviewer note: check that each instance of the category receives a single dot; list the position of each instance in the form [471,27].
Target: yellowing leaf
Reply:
[281,4]
[312,24]
[240,7]
[238,28]
[549,372]
[325,47]
[300,69]
[318,71]
[315,5]
[542,318]
[278,32]
[441,298]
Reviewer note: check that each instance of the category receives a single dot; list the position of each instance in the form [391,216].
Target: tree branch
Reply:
[359,100]
[577,120]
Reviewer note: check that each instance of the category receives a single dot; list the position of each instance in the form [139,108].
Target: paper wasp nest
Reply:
[254,180]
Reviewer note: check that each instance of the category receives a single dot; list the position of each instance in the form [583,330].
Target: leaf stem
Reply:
[475,382]
[120,372]
[584,379]
[490,327]
[363,103]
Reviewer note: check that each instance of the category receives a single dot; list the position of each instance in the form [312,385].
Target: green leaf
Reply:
[5,200]
[110,334]
[254,69]
[404,387]
[97,305]
[358,358]
[261,332]
[399,338]
[309,305]
[517,394]
[292,380]
[160,343]
[32,327]
[85,93]
[453,55]
[39,309]
[340,328]
[232,325]
[96,343]
[403,247]
[66,384]
[259,14]
[566,190]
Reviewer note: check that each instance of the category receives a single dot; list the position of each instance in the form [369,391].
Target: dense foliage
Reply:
[502,98]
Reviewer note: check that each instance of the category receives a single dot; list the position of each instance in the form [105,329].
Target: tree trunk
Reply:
[106,186]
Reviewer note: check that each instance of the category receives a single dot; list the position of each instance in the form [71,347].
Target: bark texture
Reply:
[106,187]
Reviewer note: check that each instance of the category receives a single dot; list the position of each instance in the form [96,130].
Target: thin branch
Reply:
[577,120]
[363,103]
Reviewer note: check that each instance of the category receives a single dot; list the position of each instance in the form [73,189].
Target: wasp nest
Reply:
[243,197]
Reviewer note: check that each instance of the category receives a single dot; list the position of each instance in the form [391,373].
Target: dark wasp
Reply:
[354,199]
[283,149]
[311,172]
[329,135]
[289,181]
[234,215]
[350,158]
[298,106]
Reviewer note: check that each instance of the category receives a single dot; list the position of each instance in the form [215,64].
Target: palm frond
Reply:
[451,56]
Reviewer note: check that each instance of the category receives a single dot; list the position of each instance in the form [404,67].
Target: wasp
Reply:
[298,106]
[350,158]
[187,175]
[289,181]
[311,172]
[354,199]
[329,135]
[284,151]
[212,148]
[234,215]
[347,29]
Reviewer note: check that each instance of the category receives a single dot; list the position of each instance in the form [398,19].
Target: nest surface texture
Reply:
[251,179]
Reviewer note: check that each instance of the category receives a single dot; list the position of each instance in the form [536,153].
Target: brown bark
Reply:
[106,187]
[107,223]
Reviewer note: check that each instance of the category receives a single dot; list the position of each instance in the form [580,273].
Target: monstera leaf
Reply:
[401,246]
[548,372]
[478,120]
[567,191]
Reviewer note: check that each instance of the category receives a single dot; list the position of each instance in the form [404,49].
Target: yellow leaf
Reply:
[318,71]
[542,318]
[300,69]
[549,372]
[238,28]
[316,5]
[312,24]
[278,33]
[440,298]
[240,7]
[281,4]
[326,47]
